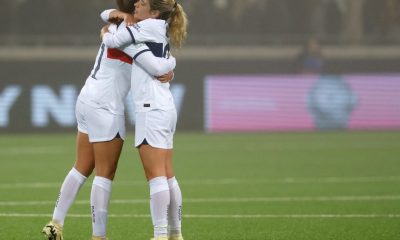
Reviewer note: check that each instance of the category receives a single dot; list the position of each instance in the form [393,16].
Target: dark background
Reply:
[282,26]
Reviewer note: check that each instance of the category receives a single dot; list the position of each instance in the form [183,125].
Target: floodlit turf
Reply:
[333,185]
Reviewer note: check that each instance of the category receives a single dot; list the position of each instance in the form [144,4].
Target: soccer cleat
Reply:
[175,237]
[53,231]
[159,238]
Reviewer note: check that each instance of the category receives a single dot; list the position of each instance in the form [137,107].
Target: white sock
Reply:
[159,203]
[175,207]
[69,189]
[99,199]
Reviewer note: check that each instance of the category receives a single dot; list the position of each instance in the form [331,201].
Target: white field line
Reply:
[229,216]
[225,200]
[56,150]
[226,181]
[33,150]
[294,180]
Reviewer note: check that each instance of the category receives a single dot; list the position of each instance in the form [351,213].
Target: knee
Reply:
[106,173]
[85,171]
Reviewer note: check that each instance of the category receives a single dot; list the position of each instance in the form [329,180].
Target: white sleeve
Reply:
[138,33]
[143,31]
[119,39]
[112,28]
[155,66]
[143,56]
[105,15]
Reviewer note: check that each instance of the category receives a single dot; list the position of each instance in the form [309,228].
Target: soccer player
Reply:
[155,110]
[101,131]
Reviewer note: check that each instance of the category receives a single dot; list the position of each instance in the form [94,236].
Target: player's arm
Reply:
[155,66]
[166,77]
[115,40]
[129,35]
[113,16]
[144,57]
[125,35]
[119,38]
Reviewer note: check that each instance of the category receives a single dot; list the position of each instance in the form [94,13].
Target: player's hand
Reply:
[166,77]
[129,19]
[104,30]
[117,15]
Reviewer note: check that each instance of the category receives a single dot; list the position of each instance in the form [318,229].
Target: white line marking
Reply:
[29,185]
[35,185]
[227,181]
[297,216]
[237,216]
[225,200]
[295,199]
[33,150]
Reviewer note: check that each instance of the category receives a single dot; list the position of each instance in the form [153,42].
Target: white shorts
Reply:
[99,123]
[157,127]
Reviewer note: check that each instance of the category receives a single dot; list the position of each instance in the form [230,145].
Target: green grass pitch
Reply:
[291,186]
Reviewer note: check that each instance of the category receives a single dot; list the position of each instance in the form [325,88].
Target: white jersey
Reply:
[108,82]
[148,93]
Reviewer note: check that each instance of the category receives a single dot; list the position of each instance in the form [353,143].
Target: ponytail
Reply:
[173,13]
[178,24]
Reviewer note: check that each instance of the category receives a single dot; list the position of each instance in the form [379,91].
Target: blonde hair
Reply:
[173,13]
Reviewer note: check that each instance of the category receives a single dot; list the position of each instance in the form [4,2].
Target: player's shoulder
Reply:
[113,28]
[149,30]
[121,24]
[150,23]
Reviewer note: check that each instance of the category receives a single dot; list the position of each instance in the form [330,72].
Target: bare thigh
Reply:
[154,161]
[169,164]
[106,157]
[84,155]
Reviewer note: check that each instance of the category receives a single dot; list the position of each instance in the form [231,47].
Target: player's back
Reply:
[109,81]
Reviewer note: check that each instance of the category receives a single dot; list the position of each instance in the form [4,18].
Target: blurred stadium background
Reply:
[255,67]
[47,48]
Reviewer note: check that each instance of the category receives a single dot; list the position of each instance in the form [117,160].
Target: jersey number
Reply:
[158,50]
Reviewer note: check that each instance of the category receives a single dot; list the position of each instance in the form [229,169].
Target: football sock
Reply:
[69,189]
[159,202]
[99,199]
[175,207]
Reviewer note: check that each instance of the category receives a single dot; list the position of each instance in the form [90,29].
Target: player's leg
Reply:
[106,158]
[84,155]
[107,134]
[83,167]
[175,207]
[77,176]
[153,160]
